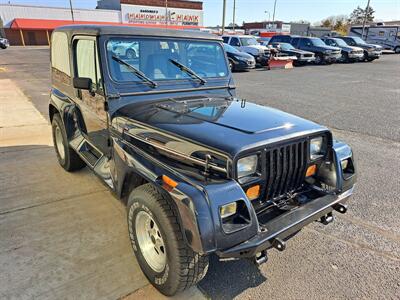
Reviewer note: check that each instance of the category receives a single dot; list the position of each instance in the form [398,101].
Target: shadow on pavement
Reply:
[226,280]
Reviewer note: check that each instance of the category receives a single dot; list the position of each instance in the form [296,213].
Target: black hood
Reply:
[228,125]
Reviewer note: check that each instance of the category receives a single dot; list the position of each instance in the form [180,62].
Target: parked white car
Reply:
[128,50]
[249,44]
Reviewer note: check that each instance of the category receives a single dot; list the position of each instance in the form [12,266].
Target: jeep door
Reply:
[91,102]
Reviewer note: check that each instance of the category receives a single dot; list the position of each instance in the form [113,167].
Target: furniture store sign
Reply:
[139,14]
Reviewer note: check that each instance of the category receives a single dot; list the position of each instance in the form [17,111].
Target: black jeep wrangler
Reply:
[201,171]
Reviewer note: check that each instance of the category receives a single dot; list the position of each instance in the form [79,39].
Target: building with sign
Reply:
[32,25]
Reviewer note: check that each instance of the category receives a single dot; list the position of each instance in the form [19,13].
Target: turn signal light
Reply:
[168,181]
[253,192]
[311,170]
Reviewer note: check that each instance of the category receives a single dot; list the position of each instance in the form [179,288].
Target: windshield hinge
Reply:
[113,96]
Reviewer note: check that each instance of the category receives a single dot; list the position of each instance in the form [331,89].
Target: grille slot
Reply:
[285,168]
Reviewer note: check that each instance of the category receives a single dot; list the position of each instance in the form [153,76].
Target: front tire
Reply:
[397,50]
[67,157]
[319,59]
[159,245]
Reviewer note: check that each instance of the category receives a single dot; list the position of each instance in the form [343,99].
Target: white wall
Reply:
[10,12]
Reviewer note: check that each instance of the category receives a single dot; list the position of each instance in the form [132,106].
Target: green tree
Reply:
[358,15]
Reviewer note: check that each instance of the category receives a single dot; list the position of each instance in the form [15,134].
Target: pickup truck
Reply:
[200,170]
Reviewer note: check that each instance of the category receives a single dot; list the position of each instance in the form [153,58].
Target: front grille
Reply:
[285,169]
[307,55]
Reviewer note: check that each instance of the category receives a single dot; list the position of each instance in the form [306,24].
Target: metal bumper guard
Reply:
[285,225]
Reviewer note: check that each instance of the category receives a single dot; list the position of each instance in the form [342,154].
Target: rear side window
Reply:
[294,41]
[59,53]
[225,39]
[234,42]
[305,43]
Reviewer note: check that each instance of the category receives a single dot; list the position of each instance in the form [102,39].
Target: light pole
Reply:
[365,19]
[72,11]
[273,16]
[166,13]
[269,18]
[223,16]
[234,12]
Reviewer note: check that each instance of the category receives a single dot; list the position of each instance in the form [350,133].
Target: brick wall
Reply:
[171,3]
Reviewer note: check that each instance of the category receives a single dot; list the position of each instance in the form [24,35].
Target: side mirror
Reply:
[82,83]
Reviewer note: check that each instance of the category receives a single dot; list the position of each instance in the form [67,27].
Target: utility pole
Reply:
[234,12]
[273,16]
[365,20]
[223,16]
[166,13]
[72,11]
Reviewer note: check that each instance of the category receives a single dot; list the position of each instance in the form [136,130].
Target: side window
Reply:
[225,39]
[350,42]
[59,53]
[87,61]
[294,42]
[305,43]
[234,42]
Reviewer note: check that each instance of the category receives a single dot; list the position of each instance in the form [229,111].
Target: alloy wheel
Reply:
[150,241]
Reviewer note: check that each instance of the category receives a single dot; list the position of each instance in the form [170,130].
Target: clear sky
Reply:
[254,10]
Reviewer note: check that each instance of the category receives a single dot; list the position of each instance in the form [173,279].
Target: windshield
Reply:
[286,46]
[154,59]
[318,42]
[229,48]
[340,42]
[358,40]
[248,41]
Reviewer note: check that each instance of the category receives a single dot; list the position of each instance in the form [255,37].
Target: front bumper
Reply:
[282,227]
[374,54]
[332,57]
[245,65]
[356,55]
[304,59]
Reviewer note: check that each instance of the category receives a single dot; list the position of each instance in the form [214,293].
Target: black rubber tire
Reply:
[320,59]
[71,161]
[346,58]
[397,50]
[231,65]
[184,267]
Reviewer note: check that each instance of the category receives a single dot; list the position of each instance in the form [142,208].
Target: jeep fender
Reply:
[197,204]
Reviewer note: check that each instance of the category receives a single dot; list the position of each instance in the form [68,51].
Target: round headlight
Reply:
[316,148]
[247,166]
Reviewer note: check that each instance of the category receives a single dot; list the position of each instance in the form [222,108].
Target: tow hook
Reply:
[278,244]
[327,219]
[342,208]
[260,258]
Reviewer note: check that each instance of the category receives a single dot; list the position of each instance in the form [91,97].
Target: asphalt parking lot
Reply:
[58,242]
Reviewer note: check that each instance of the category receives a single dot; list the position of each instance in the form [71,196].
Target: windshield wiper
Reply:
[187,70]
[135,71]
